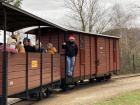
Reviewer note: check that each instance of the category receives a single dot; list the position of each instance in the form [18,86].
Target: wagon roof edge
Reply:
[91,33]
[30,15]
[29,32]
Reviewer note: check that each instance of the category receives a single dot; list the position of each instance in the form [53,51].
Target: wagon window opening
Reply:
[82,50]
[114,44]
[115,53]
[82,41]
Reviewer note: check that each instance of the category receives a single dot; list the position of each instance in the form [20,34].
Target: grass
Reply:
[132,98]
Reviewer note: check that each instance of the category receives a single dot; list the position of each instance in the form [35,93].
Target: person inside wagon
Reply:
[42,50]
[10,46]
[51,49]
[0,43]
[71,52]
[18,46]
[29,47]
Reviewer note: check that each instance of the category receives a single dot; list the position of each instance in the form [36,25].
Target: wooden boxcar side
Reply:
[98,57]
[17,71]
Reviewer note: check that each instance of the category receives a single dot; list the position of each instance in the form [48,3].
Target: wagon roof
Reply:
[35,31]
[18,19]
[90,33]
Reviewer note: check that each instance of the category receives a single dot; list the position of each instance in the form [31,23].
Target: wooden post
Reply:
[5,63]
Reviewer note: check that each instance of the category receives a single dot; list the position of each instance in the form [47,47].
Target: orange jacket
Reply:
[52,50]
[19,46]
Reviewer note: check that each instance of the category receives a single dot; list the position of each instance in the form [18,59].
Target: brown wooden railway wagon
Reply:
[25,73]
[98,55]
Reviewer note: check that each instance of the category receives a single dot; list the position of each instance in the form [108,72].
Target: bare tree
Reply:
[77,13]
[123,24]
[87,15]
[121,19]
[16,3]
[20,35]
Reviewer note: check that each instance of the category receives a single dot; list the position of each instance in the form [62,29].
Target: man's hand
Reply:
[31,44]
[64,43]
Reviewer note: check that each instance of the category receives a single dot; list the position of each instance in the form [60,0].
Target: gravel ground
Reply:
[87,94]
[92,93]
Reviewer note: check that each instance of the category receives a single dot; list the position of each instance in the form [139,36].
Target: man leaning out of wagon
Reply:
[51,49]
[10,46]
[18,46]
[71,52]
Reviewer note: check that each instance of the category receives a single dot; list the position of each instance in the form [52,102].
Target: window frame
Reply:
[82,49]
[82,43]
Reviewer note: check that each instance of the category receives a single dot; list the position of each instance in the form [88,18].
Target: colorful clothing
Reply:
[51,50]
[8,48]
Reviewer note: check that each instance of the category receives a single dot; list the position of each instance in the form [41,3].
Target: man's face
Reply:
[26,43]
[48,46]
[71,40]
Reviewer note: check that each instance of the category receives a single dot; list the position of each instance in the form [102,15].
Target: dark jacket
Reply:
[30,49]
[71,49]
[42,50]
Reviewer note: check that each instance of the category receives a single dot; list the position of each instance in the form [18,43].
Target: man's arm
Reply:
[64,45]
[11,50]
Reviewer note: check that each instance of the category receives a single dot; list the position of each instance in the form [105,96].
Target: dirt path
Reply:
[92,93]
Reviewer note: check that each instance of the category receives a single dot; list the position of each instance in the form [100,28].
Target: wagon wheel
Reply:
[33,95]
[108,77]
[75,83]
[47,92]
[102,79]
[39,96]
[98,79]
[91,80]
[81,81]
[105,78]
[64,87]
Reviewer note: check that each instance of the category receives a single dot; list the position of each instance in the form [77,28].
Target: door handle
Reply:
[98,62]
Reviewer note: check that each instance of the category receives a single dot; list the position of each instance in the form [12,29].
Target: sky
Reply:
[54,11]
[51,10]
